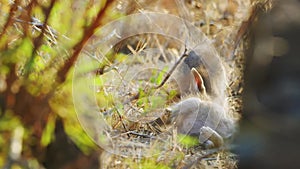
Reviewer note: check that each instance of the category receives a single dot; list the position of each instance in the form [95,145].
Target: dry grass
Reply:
[225,23]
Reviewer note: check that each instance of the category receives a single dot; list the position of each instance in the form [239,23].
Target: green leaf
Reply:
[79,136]
[121,57]
[157,101]
[48,132]
[172,94]
[188,141]
[160,76]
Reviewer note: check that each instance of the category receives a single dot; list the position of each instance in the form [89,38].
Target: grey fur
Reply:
[202,114]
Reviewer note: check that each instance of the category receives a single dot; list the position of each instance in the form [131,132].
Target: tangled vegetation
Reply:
[40,45]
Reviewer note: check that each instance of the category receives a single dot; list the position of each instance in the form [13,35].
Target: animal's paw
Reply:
[205,133]
[208,144]
[210,138]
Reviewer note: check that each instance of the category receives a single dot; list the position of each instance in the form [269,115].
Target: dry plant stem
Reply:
[154,128]
[141,135]
[28,19]
[172,70]
[136,96]
[88,32]
[211,152]
[121,120]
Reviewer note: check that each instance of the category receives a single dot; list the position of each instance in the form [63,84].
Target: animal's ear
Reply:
[199,81]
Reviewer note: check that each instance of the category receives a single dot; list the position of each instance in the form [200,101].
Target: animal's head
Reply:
[190,81]
[195,77]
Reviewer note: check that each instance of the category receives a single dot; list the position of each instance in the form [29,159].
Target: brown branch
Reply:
[10,17]
[88,32]
[28,17]
[123,124]
[38,41]
[172,70]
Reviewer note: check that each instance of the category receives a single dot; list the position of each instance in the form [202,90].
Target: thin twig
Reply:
[207,154]
[137,95]
[172,70]
[139,134]
[202,157]
[123,124]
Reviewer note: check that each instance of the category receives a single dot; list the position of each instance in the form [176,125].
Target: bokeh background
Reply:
[269,135]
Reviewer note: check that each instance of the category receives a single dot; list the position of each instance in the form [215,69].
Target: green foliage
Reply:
[38,13]
[187,140]
[172,94]
[79,136]
[48,132]
[150,100]
[3,41]
[155,161]
[8,122]
[161,75]
[30,63]
[149,164]
[18,53]
[120,57]
[67,112]
[59,16]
